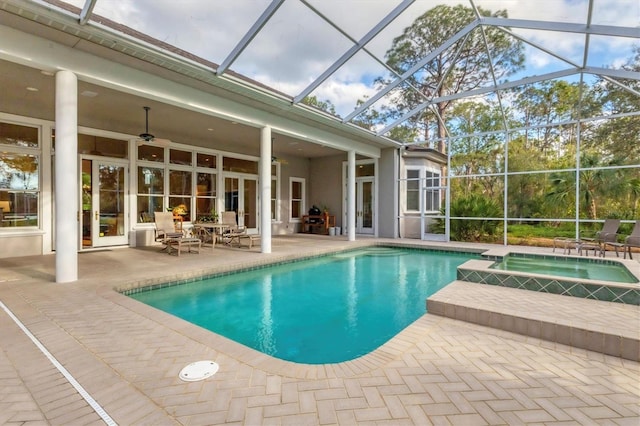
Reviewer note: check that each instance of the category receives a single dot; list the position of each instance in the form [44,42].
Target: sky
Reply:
[296,45]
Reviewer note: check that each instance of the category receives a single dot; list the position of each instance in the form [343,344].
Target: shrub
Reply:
[473,229]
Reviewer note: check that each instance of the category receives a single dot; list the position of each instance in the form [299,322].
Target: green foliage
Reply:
[463,67]
[541,230]
[618,139]
[325,106]
[470,229]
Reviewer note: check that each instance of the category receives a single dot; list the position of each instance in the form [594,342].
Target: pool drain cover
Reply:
[199,370]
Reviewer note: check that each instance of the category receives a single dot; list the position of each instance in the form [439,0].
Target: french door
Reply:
[104,220]
[364,205]
[241,196]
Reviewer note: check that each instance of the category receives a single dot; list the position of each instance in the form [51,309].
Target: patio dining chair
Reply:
[172,236]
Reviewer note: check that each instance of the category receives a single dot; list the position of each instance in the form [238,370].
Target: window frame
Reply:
[408,190]
[426,190]
[432,192]
[193,169]
[302,200]
[36,152]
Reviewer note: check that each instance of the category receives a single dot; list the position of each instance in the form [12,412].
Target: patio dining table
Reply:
[209,232]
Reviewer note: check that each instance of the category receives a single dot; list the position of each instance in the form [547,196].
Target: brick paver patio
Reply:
[127,357]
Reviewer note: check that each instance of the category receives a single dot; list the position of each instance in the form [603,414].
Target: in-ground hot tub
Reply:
[591,278]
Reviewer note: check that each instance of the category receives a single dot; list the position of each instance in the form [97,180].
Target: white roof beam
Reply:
[249,36]
[413,69]
[507,85]
[605,73]
[354,49]
[587,37]
[620,85]
[475,92]
[86,12]
[505,122]
[537,46]
[604,30]
[625,74]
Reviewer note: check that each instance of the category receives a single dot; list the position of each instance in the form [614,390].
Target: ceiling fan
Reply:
[148,137]
[275,159]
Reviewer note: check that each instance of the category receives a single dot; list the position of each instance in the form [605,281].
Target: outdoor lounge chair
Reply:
[165,226]
[172,237]
[631,240]
[233,232]
[607,235]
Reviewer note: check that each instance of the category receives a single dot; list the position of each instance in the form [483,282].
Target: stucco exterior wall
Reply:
[388,193]
[325,184]
[298,168]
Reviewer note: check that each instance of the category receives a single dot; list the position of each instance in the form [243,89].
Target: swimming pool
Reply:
[329,309]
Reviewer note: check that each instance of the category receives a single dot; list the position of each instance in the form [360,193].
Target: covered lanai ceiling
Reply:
[336,51]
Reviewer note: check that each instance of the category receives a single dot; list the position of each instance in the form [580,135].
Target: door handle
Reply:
[96,215]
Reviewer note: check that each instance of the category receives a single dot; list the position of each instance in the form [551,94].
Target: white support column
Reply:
[66,177]
[351,195]
[265,189]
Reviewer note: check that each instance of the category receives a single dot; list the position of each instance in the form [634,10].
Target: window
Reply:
[150,192]
[180,192]
[432,191]
[429,181]
[151,153]
[205,195]
[274,198]
[19,176]
[99,145]
[296,186]
[413,190]
[275,192]
[180,157]
[170,178]
[206,160]
[238,165]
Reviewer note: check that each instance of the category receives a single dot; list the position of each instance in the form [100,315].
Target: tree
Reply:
[543,104]
[619,139]
[325,106]
[462,67]
[479,154]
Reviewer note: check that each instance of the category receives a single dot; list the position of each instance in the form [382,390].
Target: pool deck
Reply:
[439,370]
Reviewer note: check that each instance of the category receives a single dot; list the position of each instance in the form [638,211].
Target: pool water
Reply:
[567,267]
[329,309]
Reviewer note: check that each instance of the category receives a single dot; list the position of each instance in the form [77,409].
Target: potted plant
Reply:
[179,210]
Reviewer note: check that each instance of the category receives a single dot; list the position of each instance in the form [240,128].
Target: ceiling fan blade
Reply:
[161,142]
[154,141]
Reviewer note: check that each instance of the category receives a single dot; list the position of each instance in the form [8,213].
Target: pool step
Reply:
[605,327]
[371,251]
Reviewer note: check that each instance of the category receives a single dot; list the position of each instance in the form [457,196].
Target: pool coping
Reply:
[150,284]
